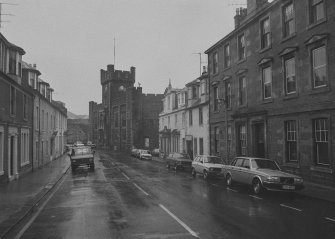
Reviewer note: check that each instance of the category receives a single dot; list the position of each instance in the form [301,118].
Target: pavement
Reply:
[19,198]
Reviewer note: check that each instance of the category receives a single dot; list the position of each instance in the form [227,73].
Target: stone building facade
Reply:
[128,118]
[50,118]
[16,118]
[271,87]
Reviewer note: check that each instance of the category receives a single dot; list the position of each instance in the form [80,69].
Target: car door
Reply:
[201,164]
[246,172]
[236,170]
[195,163]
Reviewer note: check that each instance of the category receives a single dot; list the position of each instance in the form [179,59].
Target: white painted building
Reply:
[197,115]
[184,121]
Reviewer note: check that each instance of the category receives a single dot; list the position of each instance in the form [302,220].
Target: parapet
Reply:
[117,75]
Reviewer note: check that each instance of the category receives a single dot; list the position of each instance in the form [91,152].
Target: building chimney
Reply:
[254,5]
[204,70]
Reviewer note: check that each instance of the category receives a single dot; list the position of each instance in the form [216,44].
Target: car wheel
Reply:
[257,186]
[205,175]
[229,180]
[194,173]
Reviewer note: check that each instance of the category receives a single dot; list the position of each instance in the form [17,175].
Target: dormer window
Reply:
[194,92]
[12,62]
[31,80]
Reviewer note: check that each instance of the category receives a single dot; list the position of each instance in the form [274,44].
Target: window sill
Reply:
[267,101]
[243,106]
[293,35]
[226,68]
[292,165]
[321,169]
[315,24]
[320,90]
[265,49]
[241,61]
[215,112]
[291,96]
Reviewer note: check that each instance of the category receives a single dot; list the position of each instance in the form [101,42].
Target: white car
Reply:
[261,174]
[207,166]
[145,154]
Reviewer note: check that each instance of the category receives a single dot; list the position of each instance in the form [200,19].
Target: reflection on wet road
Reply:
[129,198]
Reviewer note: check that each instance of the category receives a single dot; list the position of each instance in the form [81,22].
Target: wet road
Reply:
[129,198]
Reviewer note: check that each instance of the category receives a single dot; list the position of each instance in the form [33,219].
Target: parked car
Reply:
[82,156]
[145,154]
[178,161]
[134,152]
[155,152]
[261,174]
[207,166]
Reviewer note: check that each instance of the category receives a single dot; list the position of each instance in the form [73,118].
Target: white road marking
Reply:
[253,196]
[193,233]
[330,219]
[147,194]
[293,208]
[229,189]
[125,175]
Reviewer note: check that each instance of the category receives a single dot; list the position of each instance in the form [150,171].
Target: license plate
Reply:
[288,187]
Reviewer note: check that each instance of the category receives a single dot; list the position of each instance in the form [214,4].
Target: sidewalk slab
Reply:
[19,196]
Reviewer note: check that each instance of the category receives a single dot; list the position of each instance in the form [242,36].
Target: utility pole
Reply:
[5,14]
[114,54]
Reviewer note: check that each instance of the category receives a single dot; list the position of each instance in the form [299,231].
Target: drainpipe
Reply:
[32,136]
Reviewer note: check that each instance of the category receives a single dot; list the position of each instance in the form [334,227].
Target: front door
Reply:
[259,146]
[189,145]
[11,156]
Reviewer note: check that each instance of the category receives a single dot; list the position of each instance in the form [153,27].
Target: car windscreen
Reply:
[145,152]
[79,151]
[264,164]
[215,160]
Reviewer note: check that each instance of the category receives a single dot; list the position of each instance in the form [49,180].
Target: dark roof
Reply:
[11,45]
[26,66]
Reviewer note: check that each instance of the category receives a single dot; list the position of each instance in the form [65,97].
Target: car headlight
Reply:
[273,179]
[210,169]
[298,180]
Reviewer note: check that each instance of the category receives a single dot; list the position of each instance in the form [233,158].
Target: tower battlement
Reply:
[116,75]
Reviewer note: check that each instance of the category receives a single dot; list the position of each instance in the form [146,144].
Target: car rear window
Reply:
[82,151]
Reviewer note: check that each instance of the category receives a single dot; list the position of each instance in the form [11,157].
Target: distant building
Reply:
[16,118]
[77,130]
[126,118]
[184,121]
[271,88]
[50,118]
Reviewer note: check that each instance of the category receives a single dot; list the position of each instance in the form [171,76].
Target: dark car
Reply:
[82,156]
[178,161]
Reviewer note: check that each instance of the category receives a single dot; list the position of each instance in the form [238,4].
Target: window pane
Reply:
[319,57]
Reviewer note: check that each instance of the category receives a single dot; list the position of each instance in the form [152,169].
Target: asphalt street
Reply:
[128,198]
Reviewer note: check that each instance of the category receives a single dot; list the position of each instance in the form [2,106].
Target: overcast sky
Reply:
[71,40]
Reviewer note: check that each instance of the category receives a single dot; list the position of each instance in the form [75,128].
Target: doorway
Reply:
[259,145]
[189,145]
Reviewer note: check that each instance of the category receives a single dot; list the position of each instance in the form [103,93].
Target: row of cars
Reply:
[142,154]
[259,173]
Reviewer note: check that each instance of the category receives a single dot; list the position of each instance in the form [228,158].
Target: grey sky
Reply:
[71,40]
